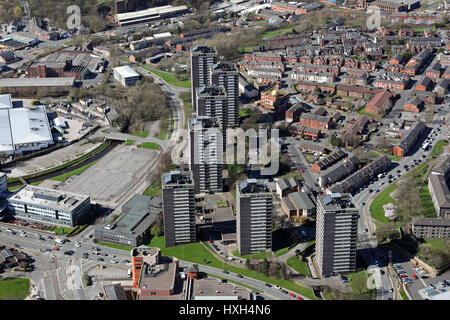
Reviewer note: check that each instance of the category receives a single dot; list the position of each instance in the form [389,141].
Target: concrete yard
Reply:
[110,177]
[52,159]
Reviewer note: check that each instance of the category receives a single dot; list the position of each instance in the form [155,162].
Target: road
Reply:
[70,268]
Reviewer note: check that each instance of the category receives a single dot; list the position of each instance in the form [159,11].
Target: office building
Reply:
[49,206]
[202,59]
[178,208]
[254,216]
[206,154]
[132,227]
[227,75]
[152,274]
[336,234]
[126,76]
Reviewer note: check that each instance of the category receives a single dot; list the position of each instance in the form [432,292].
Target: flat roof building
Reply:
[23,129]
[49,206]
[336,234]
[431,228]
[132,227]
[202,60]
[126,76]
[440,195]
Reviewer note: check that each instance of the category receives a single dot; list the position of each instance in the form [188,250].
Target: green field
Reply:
[168,77]
[437,150]
[14,188]
[427,203]
[231,281]
[128,142]
[80,170]
[245,112]
[149,145]
[363,112]
[281,252]
[154,189]
[376,208]
[115,246]
[259,255]
[403,294]
[436,243]
[14,288]
[59,230]
[164,128]
[299,266]
[143,134]
[274,33]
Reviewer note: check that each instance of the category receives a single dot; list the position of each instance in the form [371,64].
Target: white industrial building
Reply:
[126,76]
[49,206]
[23,129]
[150,14]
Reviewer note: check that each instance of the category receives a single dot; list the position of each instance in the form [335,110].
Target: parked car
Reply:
[268,285]
[277,287]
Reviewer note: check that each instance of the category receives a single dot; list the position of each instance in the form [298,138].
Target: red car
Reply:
[291,294]
[298,298]
[414,276]
[301,170]
[415,116]
[403,276]
[443,122]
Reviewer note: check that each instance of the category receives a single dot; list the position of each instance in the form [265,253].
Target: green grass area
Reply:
[222,203]
[363,112]
[436,243]
[245,112]
[163,130]
[299,266]
[245,49]
[128,142]
[358,282]
[259,255]
[14,288]
[427,203]
[275,33]
[394,157]
[281,252]
[376,207]
[169,77]
[67,175]
[143,134]
[421,170]
[154,189]
[115,246]
[403,295]
[437,150]
[66,164]
[62,230]
[149,145]
[15,188]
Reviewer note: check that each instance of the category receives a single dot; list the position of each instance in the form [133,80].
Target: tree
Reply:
[157,229]
[18,12]
[283,272]
[265,266]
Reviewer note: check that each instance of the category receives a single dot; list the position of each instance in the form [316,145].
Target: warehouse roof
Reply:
[37,82]
[126,72]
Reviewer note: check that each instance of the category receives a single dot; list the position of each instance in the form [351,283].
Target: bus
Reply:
[425,146]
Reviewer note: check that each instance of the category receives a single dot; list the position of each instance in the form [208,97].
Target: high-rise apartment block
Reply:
[227,75]
[336,234]
[202,59]
[206,154]
[212,101]
[254,216]
[178,208]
